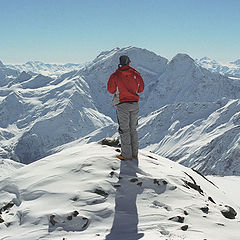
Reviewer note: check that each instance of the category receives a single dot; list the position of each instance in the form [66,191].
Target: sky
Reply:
[61,31]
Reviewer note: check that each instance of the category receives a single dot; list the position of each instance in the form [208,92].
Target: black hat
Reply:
[124,60]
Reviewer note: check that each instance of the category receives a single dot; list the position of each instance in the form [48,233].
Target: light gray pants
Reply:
[127,114]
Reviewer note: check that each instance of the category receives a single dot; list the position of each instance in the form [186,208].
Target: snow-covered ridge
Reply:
[38,67]
[84,192]
[229,69]
[204,136]
[38,113]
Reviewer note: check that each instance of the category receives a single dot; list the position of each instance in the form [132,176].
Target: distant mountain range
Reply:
[231,69]
[52,70]
[188,113]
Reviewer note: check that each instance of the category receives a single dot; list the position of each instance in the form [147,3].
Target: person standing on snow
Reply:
[125,83]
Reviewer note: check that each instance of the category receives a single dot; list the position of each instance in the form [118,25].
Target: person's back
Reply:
[125,83]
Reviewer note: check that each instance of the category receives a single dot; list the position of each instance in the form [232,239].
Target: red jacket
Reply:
[125,83]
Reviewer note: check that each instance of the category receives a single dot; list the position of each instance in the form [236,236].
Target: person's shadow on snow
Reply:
[125,224]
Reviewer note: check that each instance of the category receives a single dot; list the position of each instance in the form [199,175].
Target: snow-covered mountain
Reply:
[39,113]
[185,81]
[84,192]
[78,189]
[38,67]
[203,136]
[6,75]
[231,69]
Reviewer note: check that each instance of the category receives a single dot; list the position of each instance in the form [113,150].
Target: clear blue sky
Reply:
[78,30]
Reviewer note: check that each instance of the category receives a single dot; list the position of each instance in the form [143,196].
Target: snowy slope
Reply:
[228,69]
[224,182]
[6,75]
[7,167]
[205,136]
[38,67]
[84,192]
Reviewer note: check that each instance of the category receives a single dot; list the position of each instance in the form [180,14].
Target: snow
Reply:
[204,136]
[85,191]
[229,185]
[177,103]
[7,167]
[228,69]
[52,70]
[74,187]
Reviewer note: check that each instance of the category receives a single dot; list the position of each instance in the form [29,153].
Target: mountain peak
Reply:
[183,57]
[237,62]
[24,76]
[181,62]
[1,64]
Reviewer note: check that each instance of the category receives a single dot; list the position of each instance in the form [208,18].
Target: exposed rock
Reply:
[229,212]
[52,221]
[177,219]
[184,227]
[152,157]
[111,173]
[164,182]
[87,221]
[155,181]
[6,207]
[194,186]
[133,180]
[205,209]
[204,177]
[211,200]
[75,213]
[113,142]
[75,199]
[185,212]
[1,220]
[101,192]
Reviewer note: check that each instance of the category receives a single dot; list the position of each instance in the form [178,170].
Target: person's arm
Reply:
[112,84]
[140,83]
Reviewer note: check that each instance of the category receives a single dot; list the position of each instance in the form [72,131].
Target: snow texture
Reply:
[85,192]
